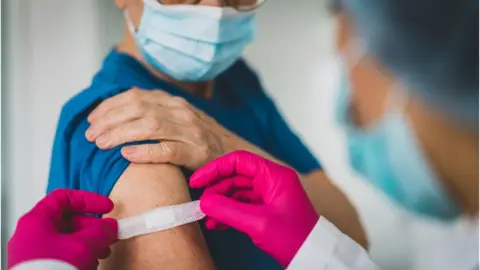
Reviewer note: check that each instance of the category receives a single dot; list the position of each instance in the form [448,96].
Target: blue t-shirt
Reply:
[239,103]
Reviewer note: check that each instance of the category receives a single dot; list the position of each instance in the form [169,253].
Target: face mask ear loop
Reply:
[130,25]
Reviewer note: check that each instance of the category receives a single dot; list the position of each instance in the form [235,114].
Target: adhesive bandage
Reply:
[159,219]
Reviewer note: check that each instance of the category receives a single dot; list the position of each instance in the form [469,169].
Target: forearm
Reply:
[232,142]
[327,199]
[331,203]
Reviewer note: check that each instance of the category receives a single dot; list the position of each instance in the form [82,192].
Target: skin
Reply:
[451,150]
[178,248]
[442,141]
[192,140]
[161,185]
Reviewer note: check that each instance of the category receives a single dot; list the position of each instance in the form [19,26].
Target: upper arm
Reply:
[143,187]
[79,164]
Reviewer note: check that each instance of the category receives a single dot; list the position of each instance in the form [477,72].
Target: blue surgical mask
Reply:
[389,156]
[192,43]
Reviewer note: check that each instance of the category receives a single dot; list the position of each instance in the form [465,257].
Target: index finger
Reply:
[63,201]
[240,163]
[115,101]
[124,98]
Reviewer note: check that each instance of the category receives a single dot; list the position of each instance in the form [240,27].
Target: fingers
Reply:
[130,96]
[162,152]
[115,101]
[99,235]
[247,196]
[125,114]
[115,117]
[145,129]
[239,163]
[238,215]
[81,222]
[241,195]
[229,186]
[62,201]
[213,224]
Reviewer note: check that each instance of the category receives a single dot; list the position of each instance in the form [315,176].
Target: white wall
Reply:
[54,47]
[52,51]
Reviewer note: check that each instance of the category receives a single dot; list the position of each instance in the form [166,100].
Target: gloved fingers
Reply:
[242,195]
[213,224]
[247,196]
[236,163]
[239,215]
[230,185]
[99,235]
[81,222]
[103,253]
[63,201]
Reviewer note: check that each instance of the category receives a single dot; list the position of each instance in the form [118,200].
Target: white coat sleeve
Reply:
[44,264]
[327,248]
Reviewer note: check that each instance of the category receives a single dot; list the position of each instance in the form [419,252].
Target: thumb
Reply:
[240,216]
[162,152]
[100,234]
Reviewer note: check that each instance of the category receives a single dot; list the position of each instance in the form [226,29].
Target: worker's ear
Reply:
[121,4]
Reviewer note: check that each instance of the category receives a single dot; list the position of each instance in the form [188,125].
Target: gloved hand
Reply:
[260,198]
[57,229]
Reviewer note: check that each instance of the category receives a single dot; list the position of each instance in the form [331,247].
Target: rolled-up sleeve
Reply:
[327,248]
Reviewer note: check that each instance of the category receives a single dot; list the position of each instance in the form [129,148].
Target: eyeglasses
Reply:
[240,5]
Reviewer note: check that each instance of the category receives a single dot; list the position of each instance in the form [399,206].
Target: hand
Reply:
[56,229]
[186,136]
[260,198]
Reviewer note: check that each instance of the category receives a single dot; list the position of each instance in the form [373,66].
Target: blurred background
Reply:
[52,48]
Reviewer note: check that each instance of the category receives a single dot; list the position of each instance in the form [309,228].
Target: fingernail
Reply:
[91,133]
[103,140]
[193,180]
[129,150]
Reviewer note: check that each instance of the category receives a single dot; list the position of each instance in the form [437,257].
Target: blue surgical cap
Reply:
[431,46]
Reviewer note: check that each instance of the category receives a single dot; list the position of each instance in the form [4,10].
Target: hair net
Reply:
[431,46]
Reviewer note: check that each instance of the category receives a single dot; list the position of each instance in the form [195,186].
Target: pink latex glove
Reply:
[260,198]
[56,228]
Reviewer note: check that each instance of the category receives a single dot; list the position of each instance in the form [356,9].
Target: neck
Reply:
[129,46]
[453,152]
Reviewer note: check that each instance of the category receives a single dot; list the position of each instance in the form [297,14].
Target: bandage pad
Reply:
[159,219]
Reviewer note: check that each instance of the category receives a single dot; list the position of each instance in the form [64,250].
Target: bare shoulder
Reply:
[143,187]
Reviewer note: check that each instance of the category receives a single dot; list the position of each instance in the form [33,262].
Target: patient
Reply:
[170,51]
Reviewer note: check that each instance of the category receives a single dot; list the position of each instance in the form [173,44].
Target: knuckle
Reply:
[188,116]
[167,150]
[204,151]
[81,248]
[179,101]
[152,125]
[138,107]
[197,133]
[150,151]
[290,173]
[25,219]
[135,94]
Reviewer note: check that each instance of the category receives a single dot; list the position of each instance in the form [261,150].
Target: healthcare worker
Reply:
[422,152]
[60,233]
[267,202]
[408,103]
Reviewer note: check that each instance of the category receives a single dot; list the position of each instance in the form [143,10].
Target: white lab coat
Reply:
[44,264]
[327,248]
